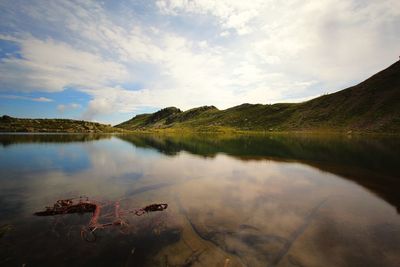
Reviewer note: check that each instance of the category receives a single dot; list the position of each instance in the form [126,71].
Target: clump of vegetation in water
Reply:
[4,229]
[84,205]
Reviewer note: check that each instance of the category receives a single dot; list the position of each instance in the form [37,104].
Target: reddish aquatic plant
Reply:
[83,205]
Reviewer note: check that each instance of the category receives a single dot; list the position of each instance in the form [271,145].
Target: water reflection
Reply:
[20,138]
[233,201]
[373,162]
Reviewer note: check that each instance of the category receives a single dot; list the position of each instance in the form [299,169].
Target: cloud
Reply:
[329,39]
[64,107]
[193,53]
[236,15]
[51,66]
[42,99]
[35,99]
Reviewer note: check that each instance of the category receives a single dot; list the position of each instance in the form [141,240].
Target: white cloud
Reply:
[329,39]
[48,65]
[75,106]
[61,108]
[232,14]
[262,51]
[35,99]
[42,99]
[225,33]
[71,106]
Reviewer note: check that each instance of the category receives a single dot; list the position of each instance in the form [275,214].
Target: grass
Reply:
[10,124]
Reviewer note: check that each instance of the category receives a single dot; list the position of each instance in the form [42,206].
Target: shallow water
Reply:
[233,200]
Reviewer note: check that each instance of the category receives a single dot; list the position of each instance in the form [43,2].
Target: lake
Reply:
[244,200]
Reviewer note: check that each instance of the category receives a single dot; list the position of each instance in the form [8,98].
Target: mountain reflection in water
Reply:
[245,200]
[371,162]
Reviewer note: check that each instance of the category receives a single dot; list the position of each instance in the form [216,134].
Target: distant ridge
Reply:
[371,106]
[10,124]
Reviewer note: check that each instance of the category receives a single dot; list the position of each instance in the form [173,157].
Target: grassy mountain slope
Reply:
[371,106]
[10,124]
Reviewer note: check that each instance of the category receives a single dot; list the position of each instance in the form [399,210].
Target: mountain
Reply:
[371,106]
[10,124]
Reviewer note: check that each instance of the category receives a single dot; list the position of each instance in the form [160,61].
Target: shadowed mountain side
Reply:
[371,106]
[371,162]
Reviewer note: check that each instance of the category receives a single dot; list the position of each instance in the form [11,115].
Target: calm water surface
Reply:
[233,201]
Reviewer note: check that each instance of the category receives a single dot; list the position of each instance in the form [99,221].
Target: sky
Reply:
[107,61]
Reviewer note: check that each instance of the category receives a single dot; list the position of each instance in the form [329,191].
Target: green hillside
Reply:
[371,106]
[10,124]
